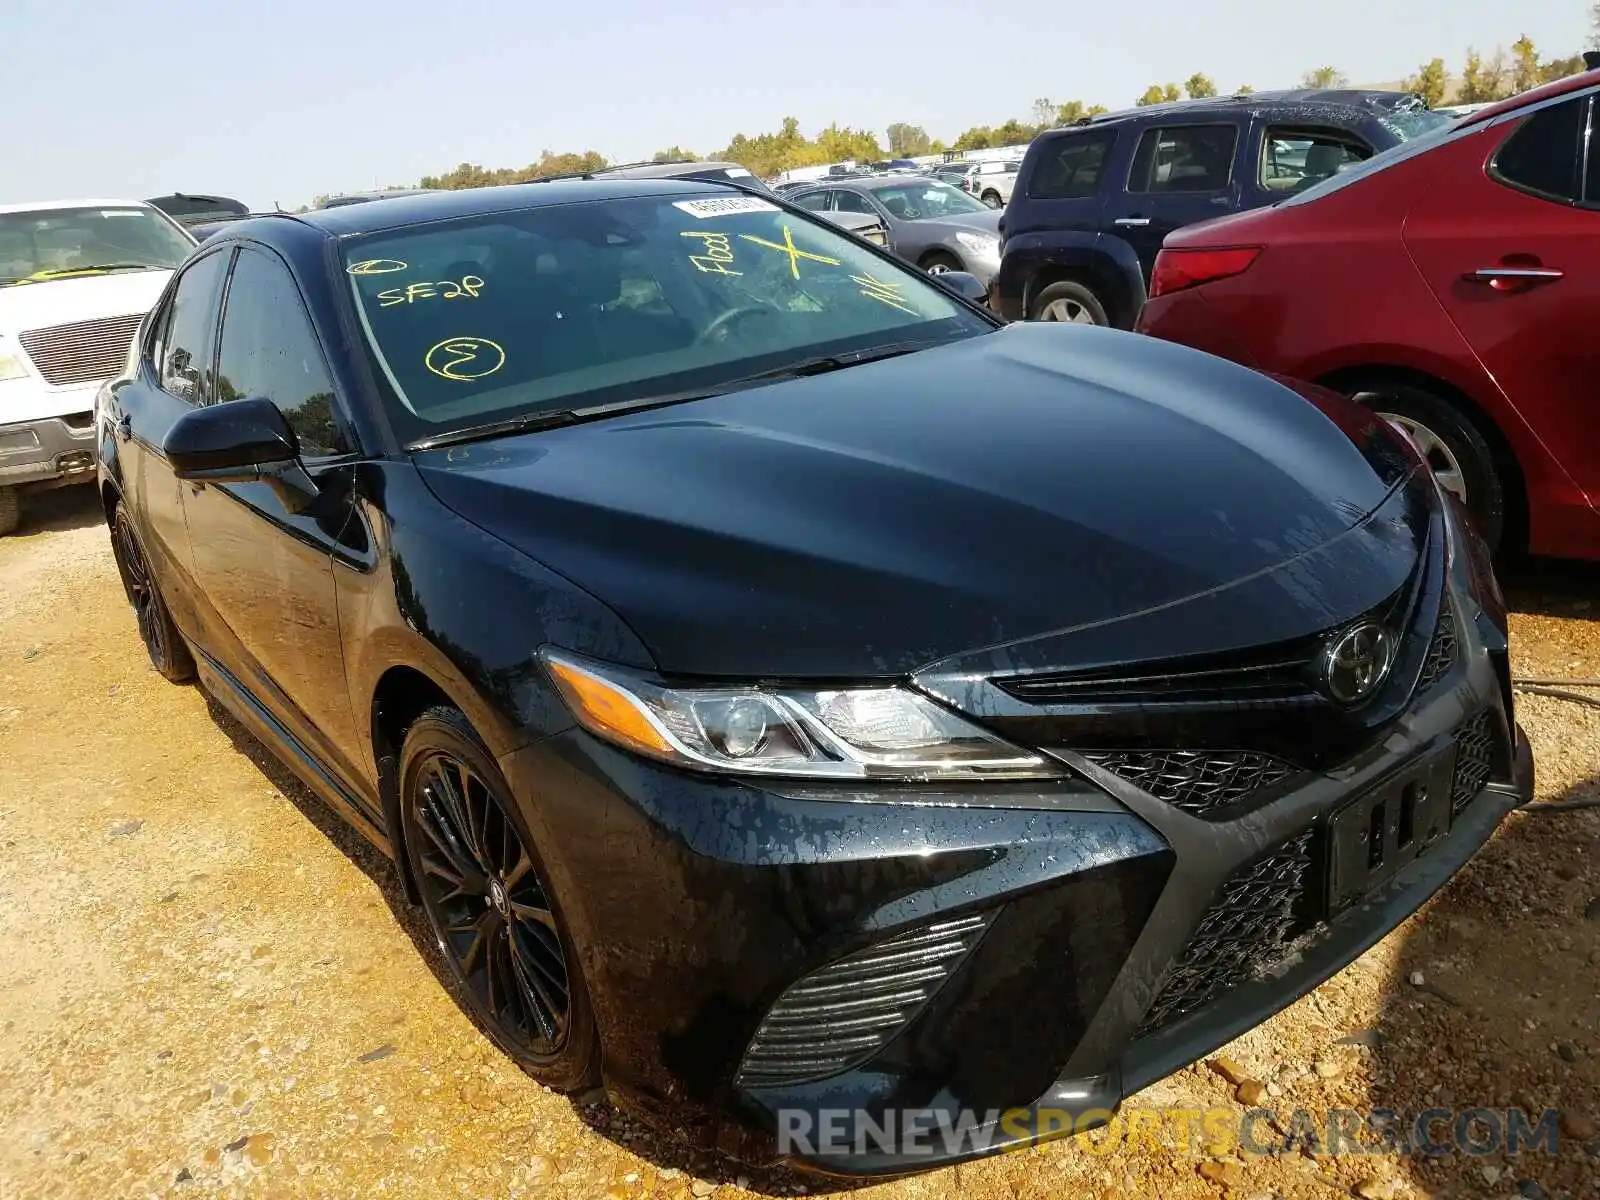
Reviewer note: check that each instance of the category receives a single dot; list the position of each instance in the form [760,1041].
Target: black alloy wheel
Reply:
[169,654]
[487,901]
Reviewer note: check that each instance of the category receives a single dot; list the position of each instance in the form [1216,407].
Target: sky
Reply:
[276,103]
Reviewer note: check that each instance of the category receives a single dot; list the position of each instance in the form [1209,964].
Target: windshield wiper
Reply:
[46,276]
[557,418]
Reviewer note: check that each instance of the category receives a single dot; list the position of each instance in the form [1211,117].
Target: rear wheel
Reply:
[992,198]
[10,509]
[1452,445]
[168,652]
[1069,301]
[489,902]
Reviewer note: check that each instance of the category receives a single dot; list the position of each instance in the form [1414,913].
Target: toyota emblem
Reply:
[1357,661]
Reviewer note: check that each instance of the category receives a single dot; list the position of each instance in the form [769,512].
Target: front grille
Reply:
[82,352]
[1198,781]
[1247,929]
[841,1015]
[1441,650]
[1475,756]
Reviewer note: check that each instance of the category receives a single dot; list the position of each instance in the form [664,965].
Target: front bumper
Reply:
[50,450]
[733,933]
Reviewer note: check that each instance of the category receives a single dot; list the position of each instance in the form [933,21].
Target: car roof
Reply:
[42,205]
[1345,98]
[656,170]
[423,207]
[1559,87]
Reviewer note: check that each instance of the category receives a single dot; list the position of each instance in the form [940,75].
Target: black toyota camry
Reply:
[788,691]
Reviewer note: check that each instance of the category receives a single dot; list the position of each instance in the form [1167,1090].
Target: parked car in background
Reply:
[76,278]
[189,209]
[367,197]
[990,181]
[931,224]
[204,229]
[786,689]
[1452,284]
[1094,201]
[719,172]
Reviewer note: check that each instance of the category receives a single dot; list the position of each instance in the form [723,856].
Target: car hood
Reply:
[987,221]
[865,522]
[26,306]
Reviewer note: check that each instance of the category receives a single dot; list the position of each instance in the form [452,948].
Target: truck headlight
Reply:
[838,733]
[12,367]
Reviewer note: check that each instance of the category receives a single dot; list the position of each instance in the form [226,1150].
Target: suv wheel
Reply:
[992,198]
[1453,447]
[1071,302]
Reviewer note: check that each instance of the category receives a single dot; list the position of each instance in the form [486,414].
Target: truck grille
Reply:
[841,1015]
[1197,781]
[1247,928]
[83,351]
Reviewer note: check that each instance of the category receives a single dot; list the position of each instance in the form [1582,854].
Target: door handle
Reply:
[1132,222]
[125,427]
[1508,276]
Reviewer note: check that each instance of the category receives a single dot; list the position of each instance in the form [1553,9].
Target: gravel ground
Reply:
[209,987]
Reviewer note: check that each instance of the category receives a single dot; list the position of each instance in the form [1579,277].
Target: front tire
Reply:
[992,199]
[488,901]
[1458,454]
[1071,302]
[169,653]
[940,263]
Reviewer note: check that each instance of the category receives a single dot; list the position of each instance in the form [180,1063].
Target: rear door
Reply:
[1064,187]
[1511,247]
[1180,174]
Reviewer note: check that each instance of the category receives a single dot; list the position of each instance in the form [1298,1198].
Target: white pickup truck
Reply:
[76,278]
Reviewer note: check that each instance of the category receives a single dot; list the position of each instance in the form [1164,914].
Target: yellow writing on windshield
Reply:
[794,252]
[465,358]
[376,266]
[445,289]
[716,253]
[882,289]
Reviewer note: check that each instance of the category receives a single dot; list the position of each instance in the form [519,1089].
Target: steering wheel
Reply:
[724,320]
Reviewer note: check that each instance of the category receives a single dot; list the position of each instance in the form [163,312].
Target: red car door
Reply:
[1508,237]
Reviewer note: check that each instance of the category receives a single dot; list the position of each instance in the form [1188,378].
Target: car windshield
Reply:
[925,200]
[1408,117]
[42,245]
[484,319]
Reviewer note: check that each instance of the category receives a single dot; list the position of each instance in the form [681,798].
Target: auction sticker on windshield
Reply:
[721,207]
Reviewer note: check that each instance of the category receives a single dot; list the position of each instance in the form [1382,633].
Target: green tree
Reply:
[1525,69]
[979,137]
[1158,93]
[471,175]
[1199,86]
[675,154]
[1430,82]
[1012,133]
[1560,68]
[908,141]
[1324,77]
[938,147]
[838,143]
[1071,112]
[1244,89]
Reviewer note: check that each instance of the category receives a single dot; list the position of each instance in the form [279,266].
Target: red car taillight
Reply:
[1179,269]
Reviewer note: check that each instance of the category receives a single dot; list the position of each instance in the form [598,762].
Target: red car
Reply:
[1453,283]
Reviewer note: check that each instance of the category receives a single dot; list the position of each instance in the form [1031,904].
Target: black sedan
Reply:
[806,753]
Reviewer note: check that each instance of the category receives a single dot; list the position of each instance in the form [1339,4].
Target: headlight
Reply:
[980,243]
[12,367]
[837,733]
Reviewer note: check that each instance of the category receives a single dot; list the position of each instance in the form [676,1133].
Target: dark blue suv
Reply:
[1094,201]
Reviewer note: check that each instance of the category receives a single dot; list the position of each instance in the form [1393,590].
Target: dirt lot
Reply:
[208,986]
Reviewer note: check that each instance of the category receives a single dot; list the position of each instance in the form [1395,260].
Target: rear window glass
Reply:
[1071,167]
[1544,155]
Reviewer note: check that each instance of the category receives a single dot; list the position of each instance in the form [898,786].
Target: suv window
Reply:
[1185,158]
[269,349]
[1295,158]
[184,344]
[1544,154]
[1071,166]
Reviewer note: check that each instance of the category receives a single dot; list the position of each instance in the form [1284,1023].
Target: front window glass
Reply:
[485,318]
[919,201]
[46,244]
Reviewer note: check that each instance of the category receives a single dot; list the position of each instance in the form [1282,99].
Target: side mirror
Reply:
[240,441]
[964,284]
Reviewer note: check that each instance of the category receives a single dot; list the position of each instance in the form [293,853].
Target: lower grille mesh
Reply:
[84,351]
[1196,781]
[844,1013]
[1247,928]
[1475,754]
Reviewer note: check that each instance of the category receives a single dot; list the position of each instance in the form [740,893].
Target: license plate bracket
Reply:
[1376,835]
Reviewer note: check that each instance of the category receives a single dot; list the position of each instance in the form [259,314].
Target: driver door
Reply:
[266,575]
